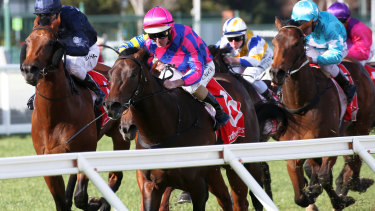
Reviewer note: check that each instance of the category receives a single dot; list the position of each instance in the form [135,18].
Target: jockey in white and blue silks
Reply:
[326,44]
[250,54]
[79,39]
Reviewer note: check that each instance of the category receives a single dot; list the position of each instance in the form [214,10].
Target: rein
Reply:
[132,102]
[303,110]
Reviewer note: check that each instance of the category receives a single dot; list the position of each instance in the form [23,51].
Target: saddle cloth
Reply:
[104,86]
[371,71]
[352,107]
[235,127]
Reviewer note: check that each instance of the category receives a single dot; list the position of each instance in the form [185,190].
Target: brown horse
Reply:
[172,118]
[314,100]
[59,114]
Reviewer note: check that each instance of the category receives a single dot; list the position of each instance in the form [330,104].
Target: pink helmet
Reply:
[157,20]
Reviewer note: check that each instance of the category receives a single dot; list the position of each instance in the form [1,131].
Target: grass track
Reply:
[32,194]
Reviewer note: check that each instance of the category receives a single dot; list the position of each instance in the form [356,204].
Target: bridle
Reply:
[50,67]
[291,71]
[139,89]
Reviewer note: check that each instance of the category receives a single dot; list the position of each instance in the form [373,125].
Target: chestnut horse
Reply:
[59,114]
[314,99]
[173,118]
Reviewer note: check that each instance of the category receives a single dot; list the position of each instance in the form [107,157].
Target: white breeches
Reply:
[209,72]
[332,69]
[80,65]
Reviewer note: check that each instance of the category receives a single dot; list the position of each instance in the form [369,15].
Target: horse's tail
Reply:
[270,111]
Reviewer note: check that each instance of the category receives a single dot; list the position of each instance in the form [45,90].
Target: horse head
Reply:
[289,49]
[41,50]
[127,78]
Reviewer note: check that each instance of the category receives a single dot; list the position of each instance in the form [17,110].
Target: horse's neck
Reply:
[300,88]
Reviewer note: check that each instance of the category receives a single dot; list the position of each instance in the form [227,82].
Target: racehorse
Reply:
[60,114]
[314,100]
[172,118]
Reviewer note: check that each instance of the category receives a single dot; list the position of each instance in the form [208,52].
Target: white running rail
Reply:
[92,162]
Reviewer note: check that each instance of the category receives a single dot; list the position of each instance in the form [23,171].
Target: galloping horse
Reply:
[314,99]
[173,118]
[59,113]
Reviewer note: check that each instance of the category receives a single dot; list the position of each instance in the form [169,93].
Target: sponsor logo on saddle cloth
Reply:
[235,127]
[352,108]
[104,86]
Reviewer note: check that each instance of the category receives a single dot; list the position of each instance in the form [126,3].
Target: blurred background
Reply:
[120,20]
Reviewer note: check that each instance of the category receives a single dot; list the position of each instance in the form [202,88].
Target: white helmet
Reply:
[234,27]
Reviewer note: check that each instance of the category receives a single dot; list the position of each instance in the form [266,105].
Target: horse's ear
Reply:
[278,23]
[56,23]
[36,21]
[307,27]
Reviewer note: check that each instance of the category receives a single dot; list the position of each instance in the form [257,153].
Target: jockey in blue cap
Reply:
[79,38]
[325,43]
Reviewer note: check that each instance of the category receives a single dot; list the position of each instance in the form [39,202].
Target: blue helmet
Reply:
[47,6]
[305,10]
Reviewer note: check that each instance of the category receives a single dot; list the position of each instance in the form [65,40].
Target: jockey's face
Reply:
[161,42]
[236,42]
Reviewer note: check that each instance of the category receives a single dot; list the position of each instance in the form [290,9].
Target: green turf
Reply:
[32,193]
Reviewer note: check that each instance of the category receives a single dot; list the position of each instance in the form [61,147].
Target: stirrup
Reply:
[350,94]
[221,119]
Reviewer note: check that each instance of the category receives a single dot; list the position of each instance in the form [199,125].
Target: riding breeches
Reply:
[80,65]
[332,69]
[252,75]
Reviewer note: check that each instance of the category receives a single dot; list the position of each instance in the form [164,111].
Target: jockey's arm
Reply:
[138,42]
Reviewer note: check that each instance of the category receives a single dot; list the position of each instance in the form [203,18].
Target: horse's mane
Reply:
[291,22]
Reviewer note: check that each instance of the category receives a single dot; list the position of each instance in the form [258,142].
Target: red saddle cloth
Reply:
[352,108]
[235,127]
[104,86]
[371,71]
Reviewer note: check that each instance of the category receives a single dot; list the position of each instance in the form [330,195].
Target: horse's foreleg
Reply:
[295,171]
[70,189]
[164,206]
[326,180]
[218,187]
[151,196]
[349,177]
[239,190]
[266,178]
[80,195]
[314,189]
[199,193]
[57,189]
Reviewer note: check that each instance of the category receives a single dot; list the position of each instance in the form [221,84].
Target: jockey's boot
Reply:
[268,96]
[30,102]
[348,88]
[221,117]
[93,86]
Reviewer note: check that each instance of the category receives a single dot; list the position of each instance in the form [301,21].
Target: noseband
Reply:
[291,71]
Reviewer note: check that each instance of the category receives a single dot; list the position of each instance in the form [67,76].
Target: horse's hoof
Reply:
[312,207]
[345,201]
[361,185]
[94,203]
[184,198]
[313,191]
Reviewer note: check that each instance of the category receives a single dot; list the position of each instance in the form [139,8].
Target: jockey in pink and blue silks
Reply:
[359,40]
[179,45]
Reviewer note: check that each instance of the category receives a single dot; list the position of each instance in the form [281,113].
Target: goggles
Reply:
[160,35]
[237,39]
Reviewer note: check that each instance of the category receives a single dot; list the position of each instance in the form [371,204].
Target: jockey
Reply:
[325,41]
[180,46]
[79,38]
[359,39]
[250,54]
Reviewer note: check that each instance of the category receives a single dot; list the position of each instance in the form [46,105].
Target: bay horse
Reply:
[314,100]
[60,113]
[173,118]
